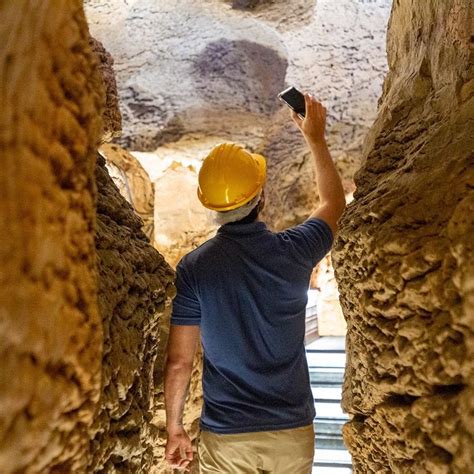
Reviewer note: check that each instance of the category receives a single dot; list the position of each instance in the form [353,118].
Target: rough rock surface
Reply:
[331,321]
[111,118]
[214,67]
[52,99]
[336,50]
[135,290]
[133,182]
[189,67]
[404,256]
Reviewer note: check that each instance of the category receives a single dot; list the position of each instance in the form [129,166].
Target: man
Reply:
[244,293]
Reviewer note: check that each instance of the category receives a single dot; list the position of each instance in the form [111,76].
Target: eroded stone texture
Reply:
[135,291]
[111,118]
[404,256]
[52,99]
[214,68]
[186,66]
[133,182]
[336,52]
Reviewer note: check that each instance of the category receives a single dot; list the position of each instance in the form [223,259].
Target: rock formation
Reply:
[135,290]
[404,256]
[111,118]
[52,98]
[80,321]
[189,69]
[183,223]
[184,67]
[133,182]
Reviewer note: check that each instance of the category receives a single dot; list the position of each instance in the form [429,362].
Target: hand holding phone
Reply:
[308,114]
[294,99]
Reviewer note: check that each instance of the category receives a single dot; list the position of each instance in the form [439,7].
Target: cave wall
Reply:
[404,255]
[209,71]
[52,99]
[135,291]
[83,292]
[185,67]
[133,182]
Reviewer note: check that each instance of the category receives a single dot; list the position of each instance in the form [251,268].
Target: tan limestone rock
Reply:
[135,291]
[111,118]
[184,223]
[52,99]
[404,256]
[133,182]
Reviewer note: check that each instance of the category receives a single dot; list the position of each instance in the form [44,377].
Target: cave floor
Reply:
[326,360]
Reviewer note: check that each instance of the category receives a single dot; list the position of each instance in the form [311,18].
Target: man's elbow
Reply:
[178,364]
[335,207]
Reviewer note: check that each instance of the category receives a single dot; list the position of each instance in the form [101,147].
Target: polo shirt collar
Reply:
[243,229]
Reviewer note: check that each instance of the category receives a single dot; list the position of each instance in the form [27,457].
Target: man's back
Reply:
[247,288]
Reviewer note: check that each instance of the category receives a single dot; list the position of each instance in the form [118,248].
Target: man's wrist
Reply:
[317,144]
[175,428]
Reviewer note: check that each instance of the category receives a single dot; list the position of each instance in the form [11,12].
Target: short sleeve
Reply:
[311,240]
[186,307]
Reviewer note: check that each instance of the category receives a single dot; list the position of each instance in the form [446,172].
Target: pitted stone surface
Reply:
[336,52]
[111,118]
[215,67]
[135,291]
[189,67]
[133,182]
[52,99]
[404,256]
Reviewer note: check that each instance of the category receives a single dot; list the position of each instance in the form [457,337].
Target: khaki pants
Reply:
[277,452]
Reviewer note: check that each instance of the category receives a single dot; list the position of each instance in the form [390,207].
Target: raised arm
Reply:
[328,181]
[182,345]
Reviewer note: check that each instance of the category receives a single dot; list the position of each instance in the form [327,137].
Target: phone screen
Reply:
[295,99]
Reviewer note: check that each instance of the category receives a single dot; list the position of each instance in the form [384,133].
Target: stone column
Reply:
[404,255]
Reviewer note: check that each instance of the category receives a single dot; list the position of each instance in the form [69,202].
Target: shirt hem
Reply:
[254,429]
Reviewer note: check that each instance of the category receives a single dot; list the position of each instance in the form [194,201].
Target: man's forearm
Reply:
[327,177]
[177,377]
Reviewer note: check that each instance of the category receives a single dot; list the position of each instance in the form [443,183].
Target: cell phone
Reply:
[294,99]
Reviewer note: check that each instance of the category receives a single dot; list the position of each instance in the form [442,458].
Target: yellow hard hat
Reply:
[230,177]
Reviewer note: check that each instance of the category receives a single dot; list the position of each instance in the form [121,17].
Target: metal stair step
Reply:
[329,441]
[328,426]
[323,376]
[330,394]
[332,458]
[330,410]
[328,344]
[324,359]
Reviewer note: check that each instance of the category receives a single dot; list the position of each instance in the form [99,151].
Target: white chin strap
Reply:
[235,215]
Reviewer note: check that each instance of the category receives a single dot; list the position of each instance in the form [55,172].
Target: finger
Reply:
[184,466]
[308,103]
[172,455]
[296,118]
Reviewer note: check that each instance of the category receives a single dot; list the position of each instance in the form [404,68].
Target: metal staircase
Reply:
[326,359]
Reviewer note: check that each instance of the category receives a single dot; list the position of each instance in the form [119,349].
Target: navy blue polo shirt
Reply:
[247,289]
